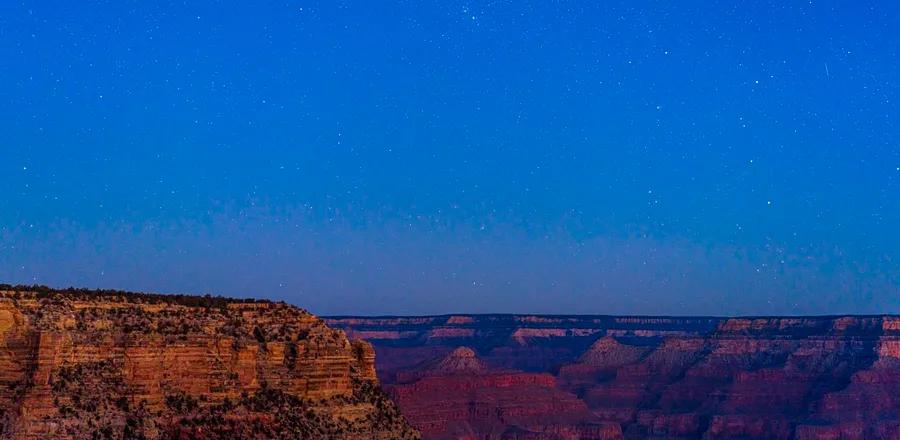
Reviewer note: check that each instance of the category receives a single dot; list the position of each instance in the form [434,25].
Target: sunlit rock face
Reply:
[649,377]
[85,364]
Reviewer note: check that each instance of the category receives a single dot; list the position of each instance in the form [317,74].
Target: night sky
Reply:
[418,157]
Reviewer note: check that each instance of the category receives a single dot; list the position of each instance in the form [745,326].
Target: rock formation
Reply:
[603,358]
[81,364]
[666,377]
[460,396]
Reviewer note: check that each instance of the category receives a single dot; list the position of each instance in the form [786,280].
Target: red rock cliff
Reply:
[79,365]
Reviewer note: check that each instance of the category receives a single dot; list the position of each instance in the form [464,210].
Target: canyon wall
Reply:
[835,377]
[81,364]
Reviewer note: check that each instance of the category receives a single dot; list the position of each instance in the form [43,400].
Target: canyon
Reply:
[85,364]
[81,364]
[517,377]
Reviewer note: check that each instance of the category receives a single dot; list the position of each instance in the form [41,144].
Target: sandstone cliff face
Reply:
[79,365]
[665,377]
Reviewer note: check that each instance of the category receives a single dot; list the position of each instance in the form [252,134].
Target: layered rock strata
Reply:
[89,364]
[460,397]
[833,377]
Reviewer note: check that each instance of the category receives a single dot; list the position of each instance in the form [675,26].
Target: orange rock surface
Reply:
[83,364]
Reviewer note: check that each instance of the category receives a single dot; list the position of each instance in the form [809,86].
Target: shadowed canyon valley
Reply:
[604,377]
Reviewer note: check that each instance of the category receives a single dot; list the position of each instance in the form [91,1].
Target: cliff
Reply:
[785,378]
[81,364]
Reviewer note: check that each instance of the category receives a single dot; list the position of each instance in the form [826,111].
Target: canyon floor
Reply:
[508,377]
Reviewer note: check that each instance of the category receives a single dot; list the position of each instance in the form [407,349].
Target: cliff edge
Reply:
[79,364]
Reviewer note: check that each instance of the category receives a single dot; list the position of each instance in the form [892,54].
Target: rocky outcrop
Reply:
[89,364]
[604,357]
[460,361]
[460,396]
[689,378]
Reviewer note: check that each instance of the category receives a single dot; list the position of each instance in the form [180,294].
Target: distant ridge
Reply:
[786,378]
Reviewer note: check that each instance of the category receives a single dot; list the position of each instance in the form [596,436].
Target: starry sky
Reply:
[423,157]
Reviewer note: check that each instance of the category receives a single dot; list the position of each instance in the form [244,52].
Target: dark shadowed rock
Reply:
[661,377]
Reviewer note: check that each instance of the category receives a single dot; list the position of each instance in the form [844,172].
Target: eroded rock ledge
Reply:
[78,364]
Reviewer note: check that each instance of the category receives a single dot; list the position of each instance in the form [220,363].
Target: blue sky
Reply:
[434,157]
